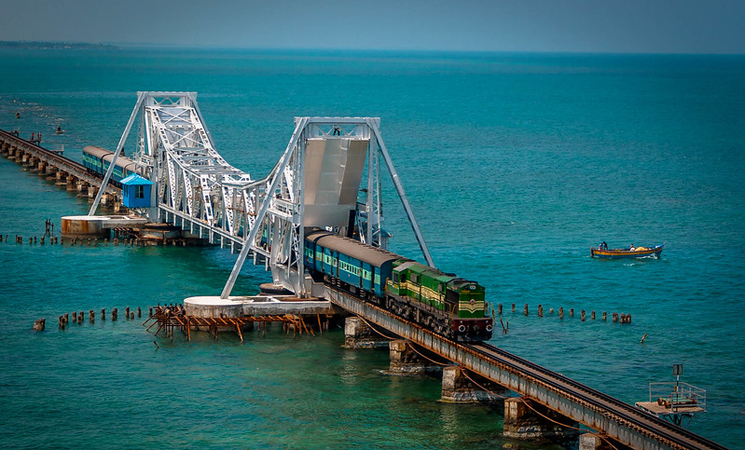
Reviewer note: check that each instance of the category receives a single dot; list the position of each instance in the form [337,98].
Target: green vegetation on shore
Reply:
[52,45]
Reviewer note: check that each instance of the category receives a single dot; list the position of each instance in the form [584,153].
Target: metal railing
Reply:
[677,396]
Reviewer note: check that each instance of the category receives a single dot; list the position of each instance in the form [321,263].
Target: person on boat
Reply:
[603,246]
[631,248]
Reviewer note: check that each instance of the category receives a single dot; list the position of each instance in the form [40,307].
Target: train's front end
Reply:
[470,323]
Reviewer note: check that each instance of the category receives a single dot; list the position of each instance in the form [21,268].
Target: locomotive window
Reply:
[415,278]
[395,277]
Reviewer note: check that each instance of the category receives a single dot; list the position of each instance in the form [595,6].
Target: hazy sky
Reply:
[657,26]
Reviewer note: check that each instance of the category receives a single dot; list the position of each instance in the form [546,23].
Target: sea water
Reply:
[514,164]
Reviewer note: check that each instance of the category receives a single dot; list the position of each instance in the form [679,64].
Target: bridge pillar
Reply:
[83,226]
[12,152]
[358,334]
[523,422]
[457,388]
[406,361]
[51,173]
[61,177]
[71,183]
[41,167]
[107,199]
[82,187]
[590,441]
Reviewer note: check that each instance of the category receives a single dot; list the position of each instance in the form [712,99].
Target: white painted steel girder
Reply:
[197,188]
[283,205]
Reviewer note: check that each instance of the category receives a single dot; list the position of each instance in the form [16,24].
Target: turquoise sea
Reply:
[515,165]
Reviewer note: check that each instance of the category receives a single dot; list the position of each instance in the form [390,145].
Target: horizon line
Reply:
[160,45]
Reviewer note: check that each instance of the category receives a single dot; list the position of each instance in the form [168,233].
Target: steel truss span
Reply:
[316,182]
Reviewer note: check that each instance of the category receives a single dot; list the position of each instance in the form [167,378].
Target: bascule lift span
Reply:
[316,183]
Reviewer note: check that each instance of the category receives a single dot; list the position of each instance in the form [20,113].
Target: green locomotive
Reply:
[444,303]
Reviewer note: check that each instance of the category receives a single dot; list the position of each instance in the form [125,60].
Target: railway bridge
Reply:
[316,183]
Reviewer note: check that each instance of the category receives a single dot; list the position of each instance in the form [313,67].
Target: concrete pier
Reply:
[536,422]
[457,388]
[590,441]
[237,306]
[405,360]
[358,334]
[96,226]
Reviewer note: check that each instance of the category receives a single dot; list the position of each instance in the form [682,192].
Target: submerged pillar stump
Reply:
[40,324]
[406,361]
[358,334]
[457,388]
[522,422]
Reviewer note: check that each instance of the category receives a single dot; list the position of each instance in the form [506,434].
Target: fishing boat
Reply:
[632,252]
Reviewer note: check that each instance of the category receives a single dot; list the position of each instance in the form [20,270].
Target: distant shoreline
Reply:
[25,45]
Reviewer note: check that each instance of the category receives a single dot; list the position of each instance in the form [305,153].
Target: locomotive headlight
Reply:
[489,328]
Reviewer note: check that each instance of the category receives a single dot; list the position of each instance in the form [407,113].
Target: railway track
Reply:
[614,414]
[61,162]
[675,436]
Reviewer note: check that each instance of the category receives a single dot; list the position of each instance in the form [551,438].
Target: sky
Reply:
[617,26]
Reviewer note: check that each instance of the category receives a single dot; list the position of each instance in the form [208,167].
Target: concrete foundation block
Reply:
[522,422]
[357,334]
[457,388]
[406,361]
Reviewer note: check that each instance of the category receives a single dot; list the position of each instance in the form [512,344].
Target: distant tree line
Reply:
[53,45]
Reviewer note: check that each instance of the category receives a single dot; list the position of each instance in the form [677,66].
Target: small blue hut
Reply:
[136,191]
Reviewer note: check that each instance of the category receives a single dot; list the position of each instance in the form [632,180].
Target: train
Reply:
[448,305]
[97,161]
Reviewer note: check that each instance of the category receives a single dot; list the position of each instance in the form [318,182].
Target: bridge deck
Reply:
[53,158]
[618,420]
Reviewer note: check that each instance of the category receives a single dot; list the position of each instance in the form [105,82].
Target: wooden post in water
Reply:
[561,312]
[40,324]
[582,315]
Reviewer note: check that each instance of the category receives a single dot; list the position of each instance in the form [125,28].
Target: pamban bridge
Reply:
[326,191]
